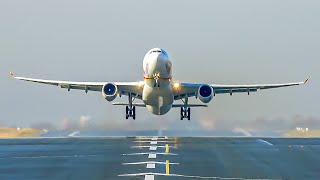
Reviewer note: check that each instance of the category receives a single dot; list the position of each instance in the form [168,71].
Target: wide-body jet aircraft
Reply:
[158,90]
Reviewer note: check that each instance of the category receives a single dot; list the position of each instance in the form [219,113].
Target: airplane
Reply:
[158,90]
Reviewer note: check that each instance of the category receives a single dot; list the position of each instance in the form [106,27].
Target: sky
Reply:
[209,41]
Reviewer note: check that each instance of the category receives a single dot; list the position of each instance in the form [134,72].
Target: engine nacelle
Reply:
[205,93]
[110,91]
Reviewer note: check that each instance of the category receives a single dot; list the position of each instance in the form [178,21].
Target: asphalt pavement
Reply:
[160,158]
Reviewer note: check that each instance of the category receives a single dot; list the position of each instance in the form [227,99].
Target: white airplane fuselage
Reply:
[157,92]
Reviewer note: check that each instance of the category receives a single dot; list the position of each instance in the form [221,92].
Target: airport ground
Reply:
[159,158]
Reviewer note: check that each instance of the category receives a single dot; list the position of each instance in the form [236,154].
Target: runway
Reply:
[160,158]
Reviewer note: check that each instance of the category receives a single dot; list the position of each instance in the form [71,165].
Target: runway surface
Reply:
[160,158]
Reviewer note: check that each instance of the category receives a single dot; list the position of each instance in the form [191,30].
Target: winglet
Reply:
[306,81]
[11,74]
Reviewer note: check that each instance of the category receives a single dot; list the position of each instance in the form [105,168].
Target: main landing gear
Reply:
[130,110]
[185,113]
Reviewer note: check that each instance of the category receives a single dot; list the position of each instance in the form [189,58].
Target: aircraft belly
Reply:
[158,100]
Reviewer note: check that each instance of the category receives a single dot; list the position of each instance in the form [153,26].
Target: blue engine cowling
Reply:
[109,91]
[205,93]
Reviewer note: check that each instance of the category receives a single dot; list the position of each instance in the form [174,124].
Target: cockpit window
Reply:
[153,51]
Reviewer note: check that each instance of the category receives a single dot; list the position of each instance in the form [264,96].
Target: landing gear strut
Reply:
[185,111]
[130,110]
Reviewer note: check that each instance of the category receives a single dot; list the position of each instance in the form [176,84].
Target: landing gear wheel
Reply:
[130,112]
[181,113]
[127,112]
[134,112]
[185,113]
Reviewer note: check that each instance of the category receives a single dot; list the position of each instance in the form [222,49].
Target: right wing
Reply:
[190,89]
[125,88]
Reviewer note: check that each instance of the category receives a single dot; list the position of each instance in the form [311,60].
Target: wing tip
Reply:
[307,80]
[11,74]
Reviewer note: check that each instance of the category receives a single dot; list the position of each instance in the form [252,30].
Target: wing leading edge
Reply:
[124,88]
[189,89]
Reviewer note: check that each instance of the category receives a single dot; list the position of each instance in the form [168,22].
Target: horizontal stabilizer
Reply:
[127,104]
[189,105]
[143,105]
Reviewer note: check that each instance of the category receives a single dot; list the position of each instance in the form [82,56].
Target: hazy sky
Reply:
[228,42]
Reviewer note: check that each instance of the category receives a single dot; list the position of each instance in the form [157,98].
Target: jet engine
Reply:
[109,91]
[205,93]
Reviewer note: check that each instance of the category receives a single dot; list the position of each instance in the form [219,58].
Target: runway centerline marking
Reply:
[153,142]
[152,156]
[153,148]
[149,177]
[151,166]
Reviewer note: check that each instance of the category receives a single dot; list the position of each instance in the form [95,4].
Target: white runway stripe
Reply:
[74,133]
[149,177]
[151,166]
[153,148]
[152,156]
[154,162]
[266,142]
[145,153]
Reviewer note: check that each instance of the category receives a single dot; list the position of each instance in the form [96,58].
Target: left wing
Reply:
[190,90]
[135,88]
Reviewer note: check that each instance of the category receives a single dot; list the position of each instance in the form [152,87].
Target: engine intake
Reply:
[109,91]
[205,93]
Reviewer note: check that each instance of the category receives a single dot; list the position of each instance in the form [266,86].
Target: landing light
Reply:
[140,83]
[176,85]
